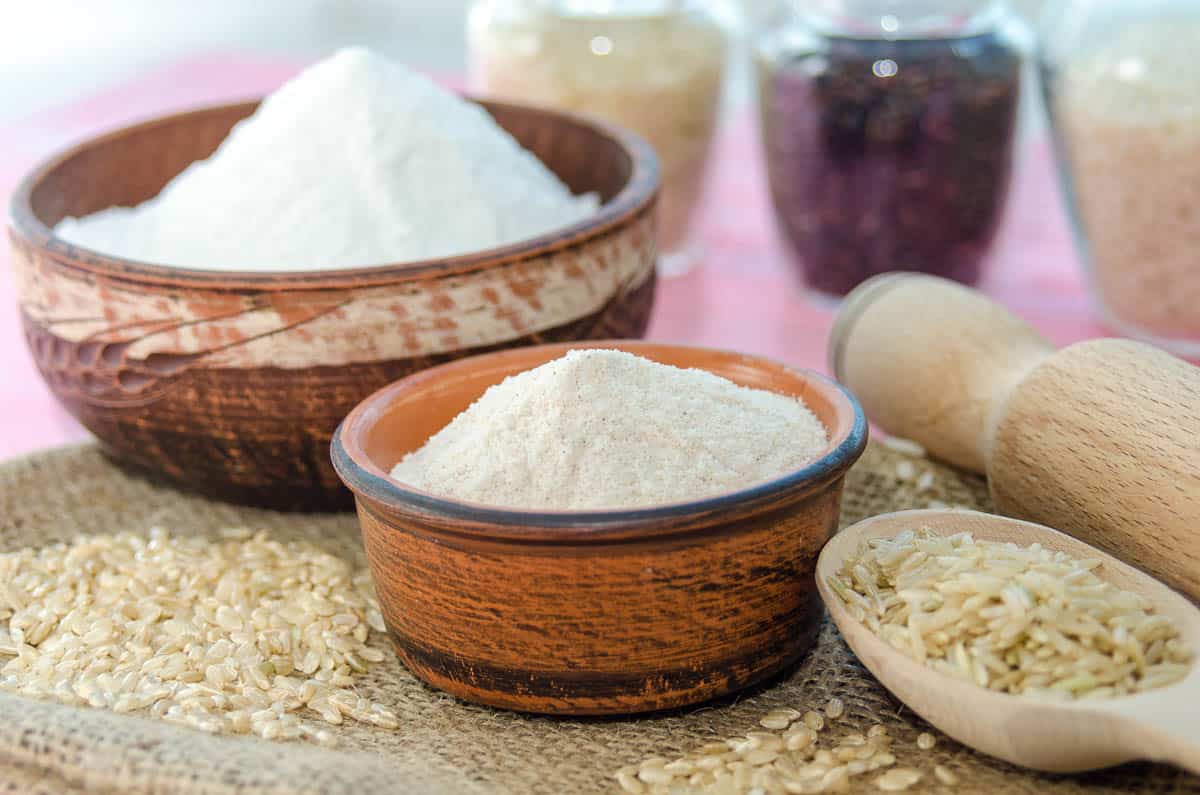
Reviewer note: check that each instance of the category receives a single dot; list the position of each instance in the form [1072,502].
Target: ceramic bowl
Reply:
[594,612]
[233,382]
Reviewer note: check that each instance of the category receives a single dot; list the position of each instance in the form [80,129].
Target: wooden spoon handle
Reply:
[1170,732]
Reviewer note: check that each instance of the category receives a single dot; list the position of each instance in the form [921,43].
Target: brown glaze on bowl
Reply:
[593,612]
[233,382]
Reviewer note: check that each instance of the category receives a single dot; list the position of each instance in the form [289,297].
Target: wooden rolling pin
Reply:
[1100,439]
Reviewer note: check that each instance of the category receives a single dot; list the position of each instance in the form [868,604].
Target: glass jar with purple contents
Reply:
[889,127]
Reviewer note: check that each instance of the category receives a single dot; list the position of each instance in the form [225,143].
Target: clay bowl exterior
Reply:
[233,382]
[598,612]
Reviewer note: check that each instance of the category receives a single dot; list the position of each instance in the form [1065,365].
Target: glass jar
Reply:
[889,128]
[1122,85]
[653,66]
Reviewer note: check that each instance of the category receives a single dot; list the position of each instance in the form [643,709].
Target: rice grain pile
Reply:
[604,429]
[245,635]
[1020,620]
[787,758]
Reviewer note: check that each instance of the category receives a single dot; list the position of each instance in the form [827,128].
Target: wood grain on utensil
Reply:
[1100,439]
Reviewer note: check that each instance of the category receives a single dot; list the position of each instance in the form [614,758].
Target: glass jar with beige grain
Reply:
[1122,84]
[653,66]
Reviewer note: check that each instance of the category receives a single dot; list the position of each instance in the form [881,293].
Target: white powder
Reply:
[604,429]
[355,162]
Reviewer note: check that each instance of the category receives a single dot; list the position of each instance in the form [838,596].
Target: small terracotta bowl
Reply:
[596,612]
[233,382]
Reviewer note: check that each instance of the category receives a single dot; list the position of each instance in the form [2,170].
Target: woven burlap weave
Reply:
[442,745]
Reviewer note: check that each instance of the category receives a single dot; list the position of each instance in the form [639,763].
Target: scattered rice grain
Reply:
[788,760]
[904,446]
[898,779]
[201,633]
[779,718]
[627,779]
[883,759]
[945,775]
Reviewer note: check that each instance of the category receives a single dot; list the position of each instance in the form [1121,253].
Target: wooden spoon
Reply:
[1160,725]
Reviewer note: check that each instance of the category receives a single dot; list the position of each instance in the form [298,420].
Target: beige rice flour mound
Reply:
[603,429]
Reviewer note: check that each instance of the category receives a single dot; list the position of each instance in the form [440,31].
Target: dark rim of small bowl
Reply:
[638,193]
[595,525]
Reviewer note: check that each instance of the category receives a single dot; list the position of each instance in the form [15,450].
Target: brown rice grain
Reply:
[628,782]
[898,779]
[904,446]
[190,643]
[1019,620]
[945,775]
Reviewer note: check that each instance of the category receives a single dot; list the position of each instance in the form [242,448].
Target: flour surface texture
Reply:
[356,162]
[603,429]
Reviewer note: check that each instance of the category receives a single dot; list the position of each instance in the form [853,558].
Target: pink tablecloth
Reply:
[740,296]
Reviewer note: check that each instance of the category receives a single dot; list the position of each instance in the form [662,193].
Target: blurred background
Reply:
[867,150]
[53,51]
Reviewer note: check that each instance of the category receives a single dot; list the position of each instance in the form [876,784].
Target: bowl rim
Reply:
[639,193]
[369,482]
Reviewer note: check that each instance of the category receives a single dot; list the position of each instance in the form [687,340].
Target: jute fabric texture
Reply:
[444,746]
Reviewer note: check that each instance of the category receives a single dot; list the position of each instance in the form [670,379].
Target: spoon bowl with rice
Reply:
[1018,640]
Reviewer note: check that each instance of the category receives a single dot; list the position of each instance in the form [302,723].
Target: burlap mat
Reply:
[442,745]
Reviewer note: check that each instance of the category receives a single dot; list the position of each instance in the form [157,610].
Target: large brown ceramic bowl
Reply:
[596,612]
[233,382]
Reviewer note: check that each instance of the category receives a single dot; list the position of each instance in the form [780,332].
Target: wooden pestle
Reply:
[1100,439]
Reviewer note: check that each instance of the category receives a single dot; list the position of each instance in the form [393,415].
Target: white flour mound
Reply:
[603,429]
[355,162]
